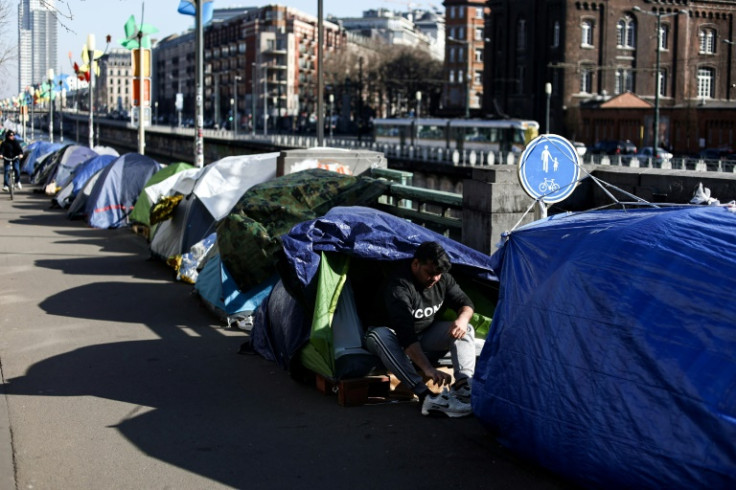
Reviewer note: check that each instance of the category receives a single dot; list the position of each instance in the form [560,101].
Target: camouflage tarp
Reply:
[251,234]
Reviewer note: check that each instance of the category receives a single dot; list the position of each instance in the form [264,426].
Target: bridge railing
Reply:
[436,210]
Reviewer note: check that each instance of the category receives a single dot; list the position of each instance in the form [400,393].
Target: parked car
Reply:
[647,152]
[714,153]
[613,147]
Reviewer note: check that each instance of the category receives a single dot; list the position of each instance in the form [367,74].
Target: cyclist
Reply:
[10,150]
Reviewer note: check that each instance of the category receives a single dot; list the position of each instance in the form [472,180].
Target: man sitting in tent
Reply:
[410,333]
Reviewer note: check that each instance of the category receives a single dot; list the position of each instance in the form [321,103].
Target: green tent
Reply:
[141,211]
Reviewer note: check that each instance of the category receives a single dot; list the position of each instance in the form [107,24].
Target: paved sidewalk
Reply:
[114,376]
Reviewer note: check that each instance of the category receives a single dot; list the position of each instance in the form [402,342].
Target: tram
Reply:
[457,134]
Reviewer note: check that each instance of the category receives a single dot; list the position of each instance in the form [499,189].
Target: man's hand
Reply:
[458,329]
[440,378]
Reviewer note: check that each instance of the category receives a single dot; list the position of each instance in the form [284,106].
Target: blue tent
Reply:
[349,244]
[611,358]
[36,150]
[371,234]
[87,169]
[116,190]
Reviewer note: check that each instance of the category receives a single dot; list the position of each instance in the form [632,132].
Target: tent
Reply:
[330,264]
[208,195]
[82,174]
[37,151]
[611,358]
[59,173]
[43,166]
[249,238]
[143,204]
[116,190]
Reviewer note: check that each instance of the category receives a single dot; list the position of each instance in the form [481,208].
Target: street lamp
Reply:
[234,101]
[332,108]
[659,15]
[91,52]
[418,96]
[62,96]
[548,92]
[253,99]
[50,76]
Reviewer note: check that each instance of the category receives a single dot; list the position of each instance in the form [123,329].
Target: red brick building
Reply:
[592,51]
[464,57]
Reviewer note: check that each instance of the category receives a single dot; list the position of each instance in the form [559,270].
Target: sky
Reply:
[78,18]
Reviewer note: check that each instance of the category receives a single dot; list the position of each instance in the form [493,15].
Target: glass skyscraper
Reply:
[37,41]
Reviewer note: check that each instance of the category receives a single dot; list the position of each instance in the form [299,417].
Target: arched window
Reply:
[706,79]
[586,34]
[586,80]
[707,41]
[626,32]
[624,81]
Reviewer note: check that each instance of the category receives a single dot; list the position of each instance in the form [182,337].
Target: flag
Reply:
[189,7]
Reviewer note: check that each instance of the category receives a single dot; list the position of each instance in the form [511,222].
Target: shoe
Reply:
[462,393]
[18,186]
[445,403]
[6,188]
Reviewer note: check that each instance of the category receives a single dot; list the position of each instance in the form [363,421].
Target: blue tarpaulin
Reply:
[371,234]
[611,358]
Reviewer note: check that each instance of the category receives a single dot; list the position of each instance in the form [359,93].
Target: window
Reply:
[707,41]
[556,34]
[664,32]
[452,12]
[626,33]
[452,55]
[452,76]
[521,35]
[662,80]
[586,80]
[478,33]
[460,54]
[624,81]
[479,13]
[706,76]
[479,56]
[460,78]
[478,78]
[461,32]
[587,33]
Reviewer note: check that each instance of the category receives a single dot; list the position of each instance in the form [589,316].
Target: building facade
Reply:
[464,57]
[114,86]
[259,65]
[592,52]
[37,41]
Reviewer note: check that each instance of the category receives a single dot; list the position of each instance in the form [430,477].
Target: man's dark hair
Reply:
[433,252]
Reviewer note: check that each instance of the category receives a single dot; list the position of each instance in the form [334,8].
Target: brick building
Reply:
[591,52]
[464,57]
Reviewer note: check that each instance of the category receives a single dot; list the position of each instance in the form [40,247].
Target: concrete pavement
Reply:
[114,376]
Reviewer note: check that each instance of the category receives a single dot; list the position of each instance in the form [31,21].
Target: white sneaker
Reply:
[445,403]
[19,186]
[462,393]
[6,188]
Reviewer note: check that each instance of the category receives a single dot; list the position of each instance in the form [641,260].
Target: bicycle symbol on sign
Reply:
[549,185]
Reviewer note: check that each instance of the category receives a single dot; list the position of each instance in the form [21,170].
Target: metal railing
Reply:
[436,210]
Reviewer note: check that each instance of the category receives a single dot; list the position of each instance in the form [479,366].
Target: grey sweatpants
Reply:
[435,342]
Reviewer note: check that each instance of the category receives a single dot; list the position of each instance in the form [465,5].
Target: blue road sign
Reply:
[549,168]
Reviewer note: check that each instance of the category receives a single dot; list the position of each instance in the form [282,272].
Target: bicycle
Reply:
[11,177]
